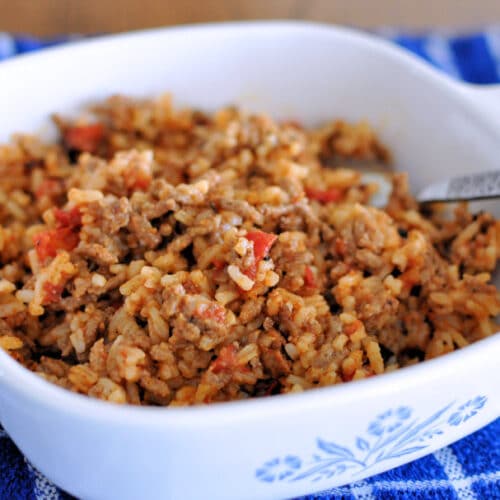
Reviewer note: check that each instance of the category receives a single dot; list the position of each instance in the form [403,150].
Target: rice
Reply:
[173,257]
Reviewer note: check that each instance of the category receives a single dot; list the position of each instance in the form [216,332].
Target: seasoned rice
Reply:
[172,257]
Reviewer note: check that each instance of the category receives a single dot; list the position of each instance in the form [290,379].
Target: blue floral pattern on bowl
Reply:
[390,435]
[278,468]
[467,410]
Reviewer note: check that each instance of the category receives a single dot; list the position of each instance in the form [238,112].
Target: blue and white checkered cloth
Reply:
[468,469]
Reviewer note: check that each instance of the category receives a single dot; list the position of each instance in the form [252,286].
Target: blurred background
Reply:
[55,17]
[461,37]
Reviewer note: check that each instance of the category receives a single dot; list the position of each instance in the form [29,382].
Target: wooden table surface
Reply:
[51,17]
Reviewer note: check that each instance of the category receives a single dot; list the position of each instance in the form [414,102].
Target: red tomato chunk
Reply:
[52,293]
[68,218]
[309,279]
[63,237]
[84,137]
[47,243]
[218,264]
[324,196]
[262,243]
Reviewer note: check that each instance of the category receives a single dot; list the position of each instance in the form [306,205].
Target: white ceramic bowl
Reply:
[288,445]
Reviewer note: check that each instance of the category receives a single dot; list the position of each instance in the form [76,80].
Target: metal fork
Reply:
[480,186]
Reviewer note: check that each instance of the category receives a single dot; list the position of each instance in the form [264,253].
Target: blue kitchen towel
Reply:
[468,469]
[474,57]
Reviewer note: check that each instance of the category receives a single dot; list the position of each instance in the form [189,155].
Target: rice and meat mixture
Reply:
[171,257]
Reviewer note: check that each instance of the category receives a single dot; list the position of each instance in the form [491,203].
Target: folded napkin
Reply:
[468,469]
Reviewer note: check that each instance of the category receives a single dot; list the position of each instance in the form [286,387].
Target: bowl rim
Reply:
[356,36]
[47,394]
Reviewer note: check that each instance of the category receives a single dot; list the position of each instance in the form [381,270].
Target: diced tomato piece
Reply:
[63,237]
[68,218]
[218,264]
[142,184]
[47,243]
[262,243]
[49,187]
[52,292]
[226,361]
[309,279]
[84,137]
[324,196]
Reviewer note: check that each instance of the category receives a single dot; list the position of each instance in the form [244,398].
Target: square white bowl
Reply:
[288,445]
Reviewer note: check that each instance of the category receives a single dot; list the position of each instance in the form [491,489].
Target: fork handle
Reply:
[480,186]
